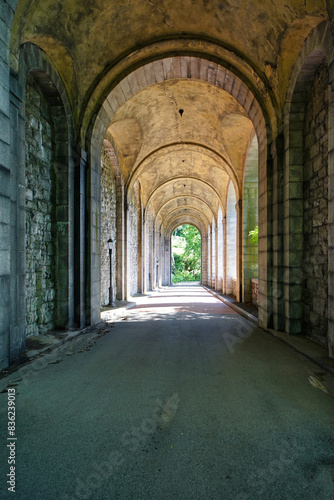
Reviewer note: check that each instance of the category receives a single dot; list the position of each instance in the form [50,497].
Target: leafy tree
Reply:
[186,265]
[254,235]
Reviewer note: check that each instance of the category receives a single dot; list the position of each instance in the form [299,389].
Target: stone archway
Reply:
[50,198]
[307,175]
[134,85]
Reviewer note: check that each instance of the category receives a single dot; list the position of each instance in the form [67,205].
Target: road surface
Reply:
[180,399]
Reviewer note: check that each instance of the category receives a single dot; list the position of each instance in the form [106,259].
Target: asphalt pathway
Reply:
[180,399]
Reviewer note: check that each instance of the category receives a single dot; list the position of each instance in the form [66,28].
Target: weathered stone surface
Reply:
[179,98]
[108,226]
[40,214]
[315,224]
[133,207]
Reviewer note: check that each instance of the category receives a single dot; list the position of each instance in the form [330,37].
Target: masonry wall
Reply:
[213,255]
[108,226]
[220,257]
[149,246]
[40,214]
[11,324]
[315,258]
[133,207]
[231,232]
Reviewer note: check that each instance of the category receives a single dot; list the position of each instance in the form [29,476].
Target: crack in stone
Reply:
[164,13]
[174,103]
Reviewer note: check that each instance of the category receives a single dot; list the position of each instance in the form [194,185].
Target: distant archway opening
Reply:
[186,254]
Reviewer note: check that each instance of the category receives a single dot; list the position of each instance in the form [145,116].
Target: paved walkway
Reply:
[180,399]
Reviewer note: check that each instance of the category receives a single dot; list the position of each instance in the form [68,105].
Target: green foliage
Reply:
[254,235]
[178,231]
[186,264]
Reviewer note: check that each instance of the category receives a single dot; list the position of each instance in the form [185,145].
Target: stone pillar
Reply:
[81,316]
[167,261]
[239,251]
[152,254]
[265,229]
[215,230]
[127,254]
[231,241]
[278,211]
[204,259]
[141,251]
[156,254]
[209,256]
[293,219]
[148,247]
[224,288]
[120,230]
[71,239]
[12,279]
[160,259]
[12,254]
[219,253]
[213,255]
[162,256]
[331,212]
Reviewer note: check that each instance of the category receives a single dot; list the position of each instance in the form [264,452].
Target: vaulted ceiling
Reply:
[183,137]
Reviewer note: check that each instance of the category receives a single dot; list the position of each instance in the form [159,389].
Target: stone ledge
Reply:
[117,311]
[305,346]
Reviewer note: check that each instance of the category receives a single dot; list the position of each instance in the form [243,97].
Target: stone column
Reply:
[219,253]
[293,220]
[264,247]
[238,207]
[224,288]
[204,259]
[12,242]
[152,254]
[167,261]
[209,256]
[120,230]
[213,255]
[331,212]
[277,239]
[231,243]
[141,251]
[127,253]
[81,316]
[12,210]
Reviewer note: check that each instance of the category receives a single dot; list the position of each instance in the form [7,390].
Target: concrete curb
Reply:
[112,314]
[233,306]
[307,347]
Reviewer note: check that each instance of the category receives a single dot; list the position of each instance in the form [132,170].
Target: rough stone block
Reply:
[6,13]
[4,262]
[5,31]
[4,50]
[296,139]
[228,83]
[4,344]
[4,100]
[4,322]
[220,77]
[4,127]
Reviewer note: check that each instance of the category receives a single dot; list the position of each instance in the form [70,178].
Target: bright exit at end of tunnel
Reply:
[186,254]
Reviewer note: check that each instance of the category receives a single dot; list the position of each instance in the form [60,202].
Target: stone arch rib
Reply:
[33,61]
[318,47]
